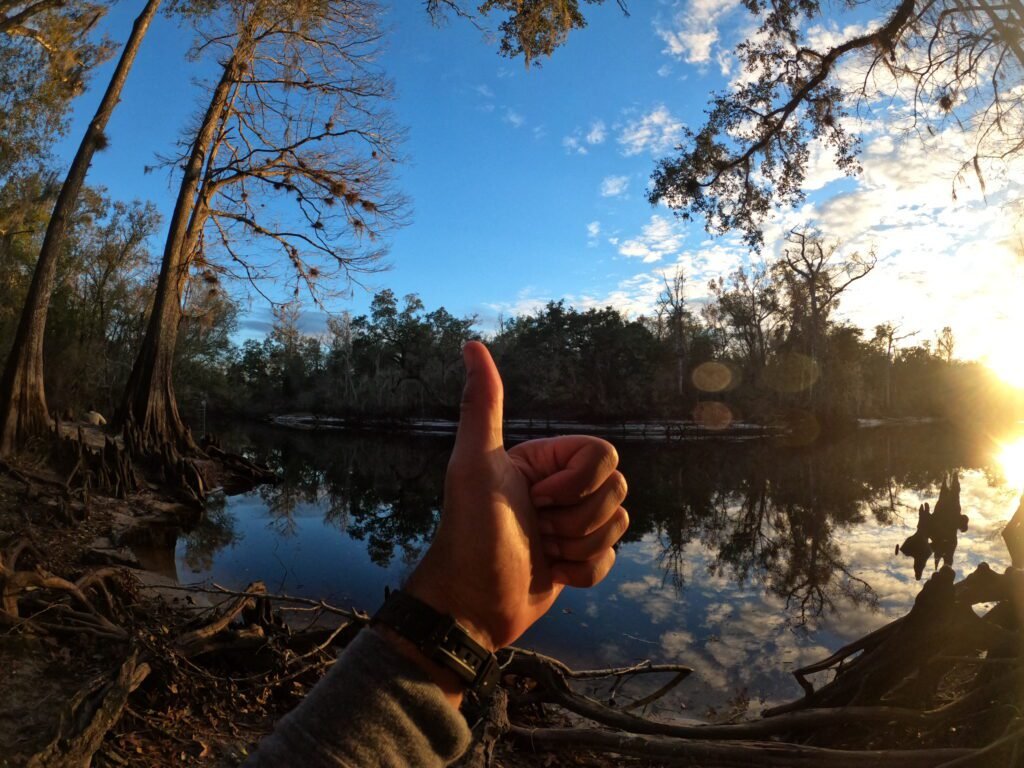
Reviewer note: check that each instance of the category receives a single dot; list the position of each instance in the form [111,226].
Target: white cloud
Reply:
[694,31]
[613,186]
[573,145]
[664,70]
[593,232]
[597,133]
[657,132]
[660,238]
[485,91]
[513,118]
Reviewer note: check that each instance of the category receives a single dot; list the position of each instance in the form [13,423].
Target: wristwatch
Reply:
[442,640]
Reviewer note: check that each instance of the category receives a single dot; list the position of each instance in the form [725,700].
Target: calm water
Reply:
[744,560]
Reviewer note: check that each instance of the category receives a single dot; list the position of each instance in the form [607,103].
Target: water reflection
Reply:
[936,532]
[743,559]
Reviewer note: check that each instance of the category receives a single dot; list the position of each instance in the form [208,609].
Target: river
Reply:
[744,559]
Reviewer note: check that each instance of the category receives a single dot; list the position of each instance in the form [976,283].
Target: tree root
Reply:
[194,642]
[93,712]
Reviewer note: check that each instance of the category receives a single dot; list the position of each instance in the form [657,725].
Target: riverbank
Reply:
[164,674]
[108,663]
[523,429]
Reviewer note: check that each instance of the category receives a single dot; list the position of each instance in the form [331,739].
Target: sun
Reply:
[1011,461]
[1008,365]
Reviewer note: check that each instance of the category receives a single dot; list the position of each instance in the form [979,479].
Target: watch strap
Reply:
[441,639]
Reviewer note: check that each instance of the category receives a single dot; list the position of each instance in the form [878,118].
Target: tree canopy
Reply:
[47,49]
[943,63]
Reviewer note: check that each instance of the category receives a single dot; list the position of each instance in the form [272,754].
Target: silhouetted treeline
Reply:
[717,366]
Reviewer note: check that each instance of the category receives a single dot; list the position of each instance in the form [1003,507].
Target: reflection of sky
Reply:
[740,638]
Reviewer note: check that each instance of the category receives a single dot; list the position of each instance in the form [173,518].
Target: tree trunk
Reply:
[23,410]
[149,404]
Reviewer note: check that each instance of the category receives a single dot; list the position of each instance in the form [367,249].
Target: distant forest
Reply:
[766,347]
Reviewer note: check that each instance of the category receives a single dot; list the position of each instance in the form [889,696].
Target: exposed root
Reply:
[91,715]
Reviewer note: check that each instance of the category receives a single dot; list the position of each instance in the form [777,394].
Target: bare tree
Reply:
[749,307]
[23,410]
[887,336]
[673,320]
[818,275]
[287,175]
[945,344]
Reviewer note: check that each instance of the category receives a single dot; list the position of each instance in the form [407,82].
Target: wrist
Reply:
[443,600]
[451,686]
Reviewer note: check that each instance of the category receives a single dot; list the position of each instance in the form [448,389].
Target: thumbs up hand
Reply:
[517,525]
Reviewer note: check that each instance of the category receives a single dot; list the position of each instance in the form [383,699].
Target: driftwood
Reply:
[190,643]
[92,713]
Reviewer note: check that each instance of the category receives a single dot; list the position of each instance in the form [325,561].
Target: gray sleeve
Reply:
[374,709]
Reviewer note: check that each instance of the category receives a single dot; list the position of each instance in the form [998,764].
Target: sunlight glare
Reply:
[1008,365]
[1011,461]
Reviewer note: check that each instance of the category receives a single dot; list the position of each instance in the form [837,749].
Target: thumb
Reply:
[480,421]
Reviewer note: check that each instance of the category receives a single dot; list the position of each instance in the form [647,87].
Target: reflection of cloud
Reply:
[258,323]
[659,601]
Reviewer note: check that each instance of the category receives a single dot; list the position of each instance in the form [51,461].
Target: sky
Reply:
[528,185]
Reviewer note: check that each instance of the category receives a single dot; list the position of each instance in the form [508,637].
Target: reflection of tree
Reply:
[767,515]
[213,533]
[776,516]
[383,490]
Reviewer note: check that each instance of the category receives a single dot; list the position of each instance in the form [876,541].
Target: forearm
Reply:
[379,707]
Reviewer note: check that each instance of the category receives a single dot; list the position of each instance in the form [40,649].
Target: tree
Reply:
[945,345]
[676,320]
[948,62]
[286,175]
[47,49]
[23,410]
[749,306]
[531,28]
[887,336]
[817,276]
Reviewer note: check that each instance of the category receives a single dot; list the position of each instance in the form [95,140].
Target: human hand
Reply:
[517,525]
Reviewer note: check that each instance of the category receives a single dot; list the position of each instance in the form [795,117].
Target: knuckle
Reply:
[622,523]
[611,455]
[621,486]
[599,567]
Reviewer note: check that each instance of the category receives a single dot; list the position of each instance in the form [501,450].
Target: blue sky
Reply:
[528,185]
